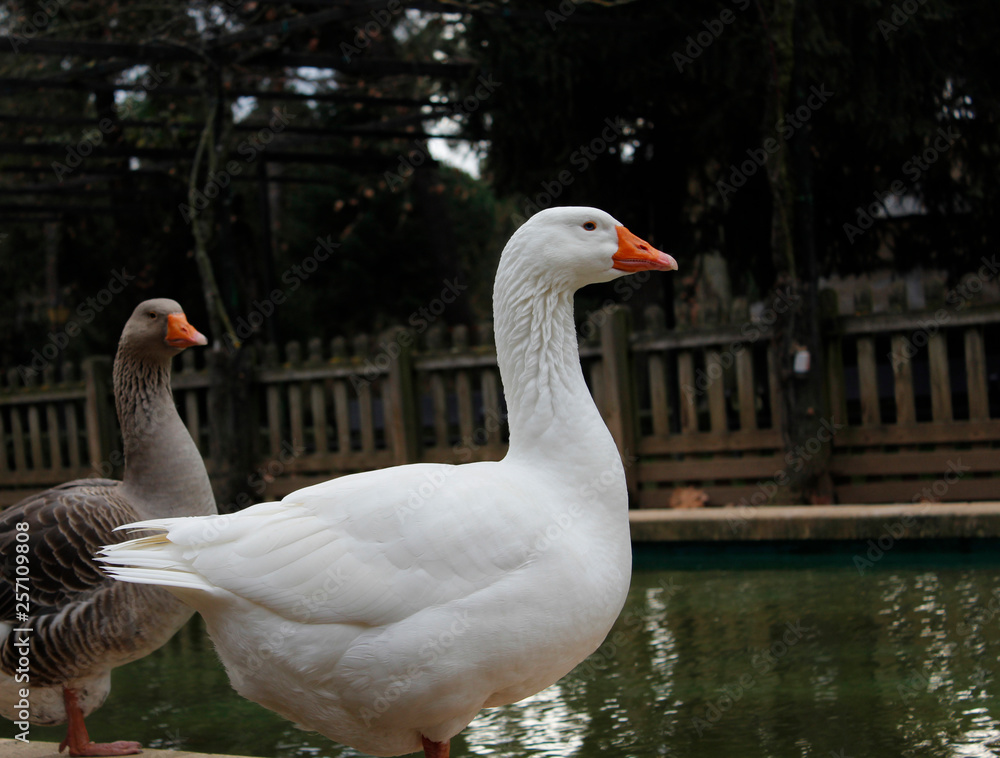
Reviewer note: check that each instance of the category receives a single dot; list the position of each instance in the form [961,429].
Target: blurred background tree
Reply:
[661,113]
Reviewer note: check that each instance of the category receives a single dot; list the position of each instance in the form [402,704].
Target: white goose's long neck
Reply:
[164,472]
[552,415]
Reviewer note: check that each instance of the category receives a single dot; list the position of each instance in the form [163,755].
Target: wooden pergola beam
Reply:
[68,208]
[86,84]
[355,160]
[316,131]
[159,53]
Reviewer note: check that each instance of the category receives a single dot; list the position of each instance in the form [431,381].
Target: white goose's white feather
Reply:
[383,560]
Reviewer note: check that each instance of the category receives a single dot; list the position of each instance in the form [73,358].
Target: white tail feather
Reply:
[159,578]
[151,560]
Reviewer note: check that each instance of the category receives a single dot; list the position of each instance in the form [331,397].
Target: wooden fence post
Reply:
[401,418]
[620,405]
[99,412]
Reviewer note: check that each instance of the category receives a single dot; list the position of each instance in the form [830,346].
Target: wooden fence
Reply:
[914,407]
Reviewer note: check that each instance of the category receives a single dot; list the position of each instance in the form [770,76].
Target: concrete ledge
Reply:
[818,522]
[34,749]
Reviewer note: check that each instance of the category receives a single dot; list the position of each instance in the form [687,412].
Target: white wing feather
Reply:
[351,550]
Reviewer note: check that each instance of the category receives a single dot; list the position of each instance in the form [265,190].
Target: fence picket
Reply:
[463,388]
[463,393]
[902,373]
[53,426]
[688,397]
[274,420]
[716,392]
[192,414]
[72,435]
[659,394]
[317,405]
[492,416]
[937,351]
[17,437]
[975,370]
[659,382]
[3,444]
[439,408]
[367,418]
[745,389]
[342,413]
[871,415]
[835,380]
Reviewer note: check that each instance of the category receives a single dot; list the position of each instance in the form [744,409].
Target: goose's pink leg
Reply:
[78,740]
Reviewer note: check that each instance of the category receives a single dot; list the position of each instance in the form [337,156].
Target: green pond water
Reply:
[719,652]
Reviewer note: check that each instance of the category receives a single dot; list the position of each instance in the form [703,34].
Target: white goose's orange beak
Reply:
[635,254]
[181,334]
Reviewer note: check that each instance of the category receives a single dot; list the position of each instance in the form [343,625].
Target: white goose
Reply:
[385,609]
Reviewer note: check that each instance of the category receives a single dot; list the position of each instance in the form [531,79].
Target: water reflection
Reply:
[542,725]
[717,656]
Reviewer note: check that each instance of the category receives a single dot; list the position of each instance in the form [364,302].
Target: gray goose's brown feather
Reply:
[66,526]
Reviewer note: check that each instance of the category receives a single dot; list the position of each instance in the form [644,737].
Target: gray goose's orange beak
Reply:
[181,334]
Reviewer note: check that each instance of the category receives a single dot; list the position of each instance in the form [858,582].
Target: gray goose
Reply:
[83,623]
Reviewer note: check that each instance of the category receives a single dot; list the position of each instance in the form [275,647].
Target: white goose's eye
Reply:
[590,226]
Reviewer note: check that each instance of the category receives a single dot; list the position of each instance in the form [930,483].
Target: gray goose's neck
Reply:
[164,472]
[552,415]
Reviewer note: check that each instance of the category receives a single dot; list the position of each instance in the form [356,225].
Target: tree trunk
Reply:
[805,432]
[230,416]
